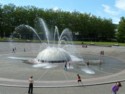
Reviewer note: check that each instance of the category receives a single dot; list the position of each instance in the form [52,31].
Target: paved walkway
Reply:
[66,83]
[101,85]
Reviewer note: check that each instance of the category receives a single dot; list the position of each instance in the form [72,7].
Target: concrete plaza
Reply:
[14,73]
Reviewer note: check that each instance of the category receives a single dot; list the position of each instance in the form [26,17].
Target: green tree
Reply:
[87,26]
[7,19]
[121,30]
[1,10]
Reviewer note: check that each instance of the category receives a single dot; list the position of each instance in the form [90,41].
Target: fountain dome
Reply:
[53,55]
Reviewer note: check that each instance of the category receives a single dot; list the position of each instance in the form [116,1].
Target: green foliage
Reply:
[121,30]
[88,26]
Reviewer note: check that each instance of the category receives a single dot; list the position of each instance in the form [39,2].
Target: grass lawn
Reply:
[75,42]
[101,43]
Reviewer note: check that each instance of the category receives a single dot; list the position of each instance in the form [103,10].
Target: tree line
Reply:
[85,27]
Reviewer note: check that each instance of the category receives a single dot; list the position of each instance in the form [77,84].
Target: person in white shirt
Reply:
[30,91]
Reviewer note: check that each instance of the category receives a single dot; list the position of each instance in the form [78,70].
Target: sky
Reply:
[109,9]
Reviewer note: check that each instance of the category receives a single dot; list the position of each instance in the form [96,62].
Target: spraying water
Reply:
[56,33]
[46,31]
[56,53]
[34,32]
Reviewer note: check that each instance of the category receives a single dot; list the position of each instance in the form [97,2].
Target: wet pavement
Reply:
[14,73]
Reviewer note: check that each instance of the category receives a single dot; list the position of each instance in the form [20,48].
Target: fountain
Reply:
[57,50]
[55,54]
[48,55]
[54,51]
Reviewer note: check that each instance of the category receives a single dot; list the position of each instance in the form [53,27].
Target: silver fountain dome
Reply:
[53,55]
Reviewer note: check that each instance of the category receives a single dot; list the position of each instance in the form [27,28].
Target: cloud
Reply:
[55,8]
[112,13]
[120,4]
[115,20]
[108,10]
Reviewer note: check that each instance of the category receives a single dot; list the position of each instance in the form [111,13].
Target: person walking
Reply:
[87,63]
[30,91]
[116,87]
[78,78]
[65,66]
[13,50]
